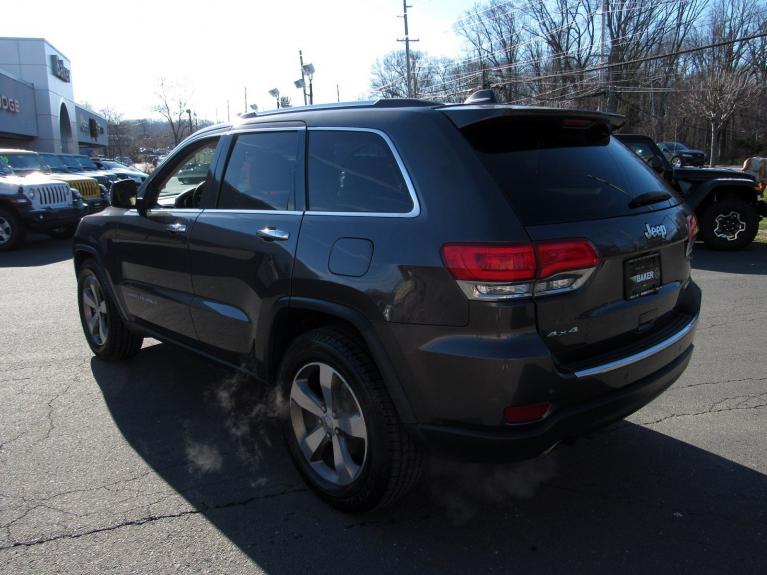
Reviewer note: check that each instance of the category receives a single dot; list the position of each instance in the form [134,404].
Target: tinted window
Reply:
[558,170]
[354,172]
[23,164]
[261,172]
[87,163]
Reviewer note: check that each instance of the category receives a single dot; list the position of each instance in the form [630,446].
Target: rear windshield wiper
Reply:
[649,198]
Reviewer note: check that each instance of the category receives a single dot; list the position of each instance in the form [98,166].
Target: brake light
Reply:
[497,272]
[560,256]
[488,262]
[692,232]
[692,227]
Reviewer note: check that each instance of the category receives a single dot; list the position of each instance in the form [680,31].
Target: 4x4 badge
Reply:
[655,231]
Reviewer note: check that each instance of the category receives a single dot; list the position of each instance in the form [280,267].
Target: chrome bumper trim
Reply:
[634,358]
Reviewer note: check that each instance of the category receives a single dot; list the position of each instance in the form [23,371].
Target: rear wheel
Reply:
[12,231]
[105,332]
[731,224]
[341,427]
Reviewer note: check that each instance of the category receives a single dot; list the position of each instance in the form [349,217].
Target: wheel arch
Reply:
[302,314]
[6,205]
[716,190]
[82,253]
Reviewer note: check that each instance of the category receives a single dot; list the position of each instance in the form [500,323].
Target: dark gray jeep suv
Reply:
[484,280]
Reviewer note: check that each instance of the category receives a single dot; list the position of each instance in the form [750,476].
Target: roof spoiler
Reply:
[463,115]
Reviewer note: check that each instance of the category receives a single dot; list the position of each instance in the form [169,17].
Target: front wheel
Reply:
[731,224]
[105,332]
[12,231]
[341,427]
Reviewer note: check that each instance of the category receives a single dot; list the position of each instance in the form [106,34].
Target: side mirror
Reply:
[656,164]
[124,194]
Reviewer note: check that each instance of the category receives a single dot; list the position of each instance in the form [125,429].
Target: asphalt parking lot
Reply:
[167,464]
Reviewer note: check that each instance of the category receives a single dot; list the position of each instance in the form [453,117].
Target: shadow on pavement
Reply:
[37,251]
[751,260]
[629,499]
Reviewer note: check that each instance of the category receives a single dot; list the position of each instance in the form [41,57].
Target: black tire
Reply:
[392,463]
[12,231]
[62,233]
[730,224]
[118,342]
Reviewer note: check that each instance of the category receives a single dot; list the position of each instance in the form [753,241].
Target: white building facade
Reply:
[37,105]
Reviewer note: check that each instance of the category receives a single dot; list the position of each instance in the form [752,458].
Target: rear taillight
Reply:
[561,256]
[499,272]
[488,262]
[692,232]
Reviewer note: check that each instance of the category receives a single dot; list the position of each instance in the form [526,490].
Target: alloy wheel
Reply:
[328,424]
[729,226]
[5,231]
[95,310]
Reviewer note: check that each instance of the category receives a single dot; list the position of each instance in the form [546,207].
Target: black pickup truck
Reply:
[727,203]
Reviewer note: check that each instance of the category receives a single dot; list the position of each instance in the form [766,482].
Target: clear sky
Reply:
[119,50]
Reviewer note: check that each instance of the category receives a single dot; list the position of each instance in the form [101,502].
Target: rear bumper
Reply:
[526,441]
[43,220]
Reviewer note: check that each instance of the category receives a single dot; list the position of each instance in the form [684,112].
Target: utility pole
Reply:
[407,40]
[603,71]
[227,111]
[338,94]
[246,100]
[303,75]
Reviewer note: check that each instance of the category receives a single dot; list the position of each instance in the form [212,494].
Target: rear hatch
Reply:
[567,178]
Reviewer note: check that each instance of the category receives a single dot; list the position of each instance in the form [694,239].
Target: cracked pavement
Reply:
[168,464]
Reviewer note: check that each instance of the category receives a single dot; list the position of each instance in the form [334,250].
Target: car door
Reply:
[242,249]
[153,272]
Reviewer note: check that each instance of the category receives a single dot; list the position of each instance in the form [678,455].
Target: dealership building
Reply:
[37,103]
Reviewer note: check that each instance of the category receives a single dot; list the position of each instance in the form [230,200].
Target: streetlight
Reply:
[301,85]
[275,93]
[309,71]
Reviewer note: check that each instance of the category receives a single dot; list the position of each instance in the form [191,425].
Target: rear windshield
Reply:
[558,170]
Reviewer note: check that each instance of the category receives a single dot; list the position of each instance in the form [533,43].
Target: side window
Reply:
[186,175]
[642,150]
[261,173]
[354,172]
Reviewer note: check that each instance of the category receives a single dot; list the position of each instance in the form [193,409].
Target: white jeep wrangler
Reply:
[38,203]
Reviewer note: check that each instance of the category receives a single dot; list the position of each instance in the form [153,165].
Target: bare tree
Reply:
[285,102]
[494,34]
[173,104]
[390,74]
[723,77]
[567,29]
[637,29]
[117,131]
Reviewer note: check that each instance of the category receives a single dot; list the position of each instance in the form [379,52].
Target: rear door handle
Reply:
[272,234]
[177,228]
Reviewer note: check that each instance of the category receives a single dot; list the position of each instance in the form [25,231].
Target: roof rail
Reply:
[382,103]
[404,103]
